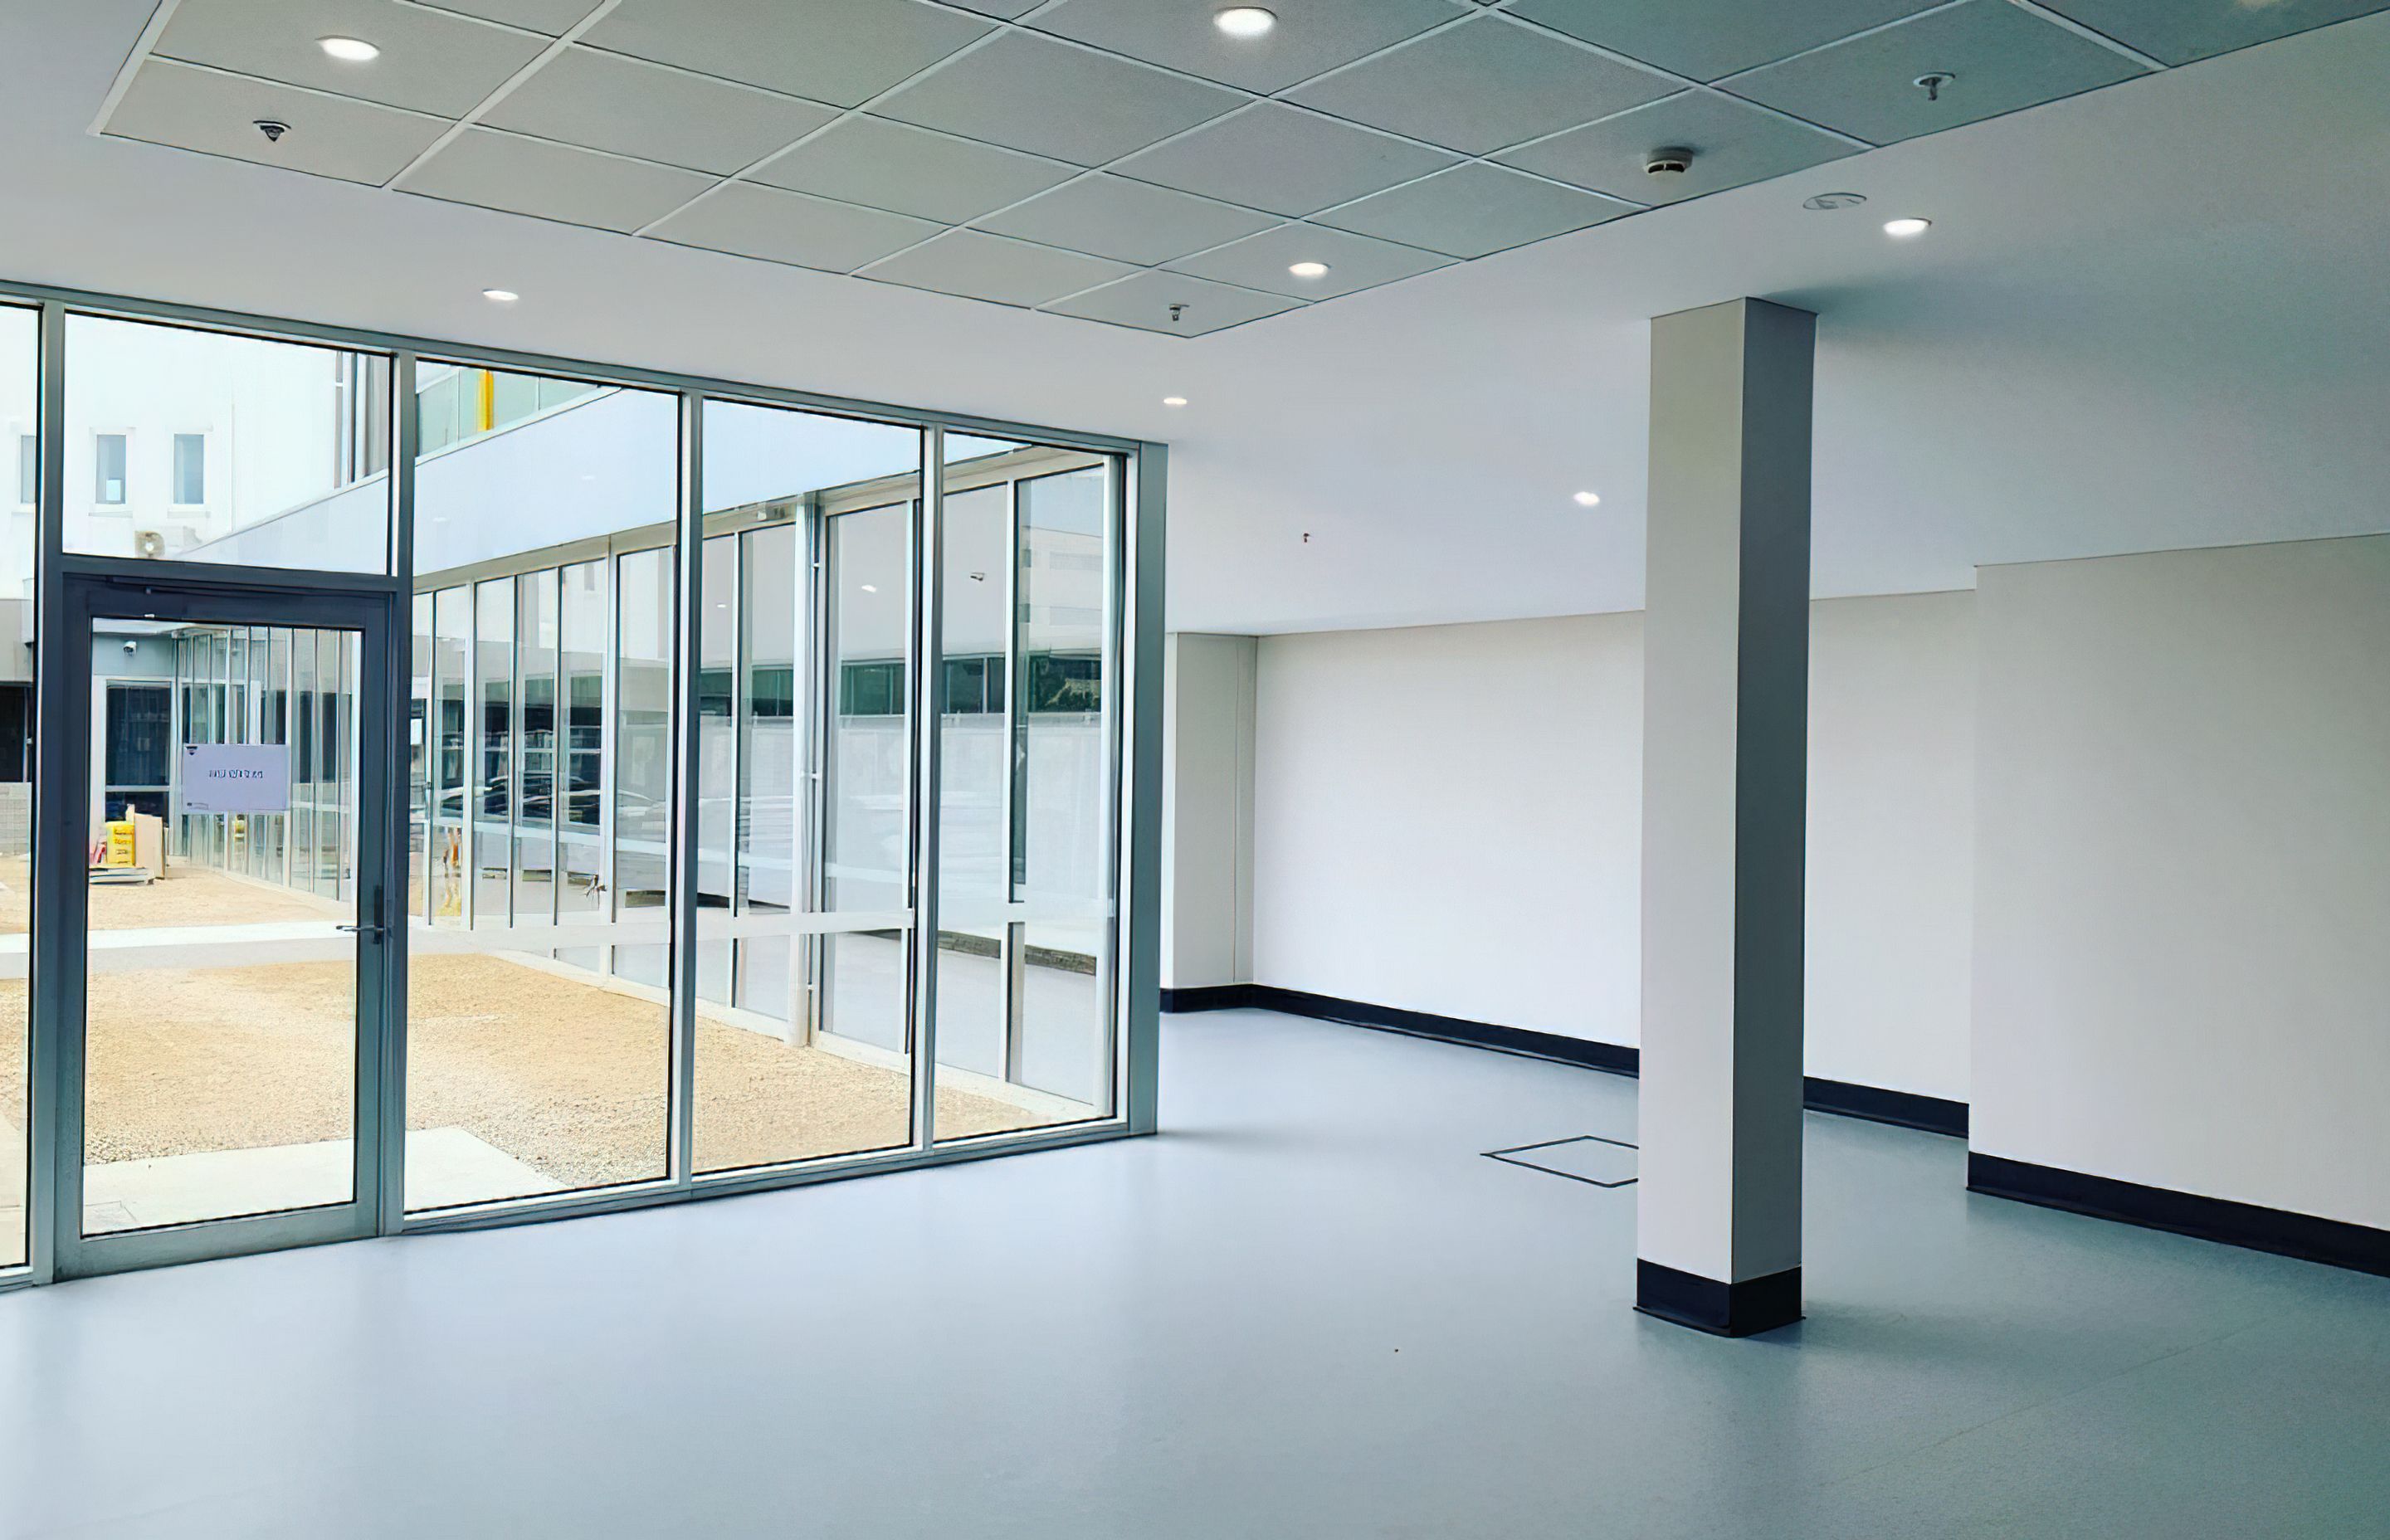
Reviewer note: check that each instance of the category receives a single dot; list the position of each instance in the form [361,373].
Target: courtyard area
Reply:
[222,1067]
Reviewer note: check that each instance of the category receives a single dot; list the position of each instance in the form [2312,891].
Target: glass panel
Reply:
[190,468]
[297,430]
[450,631]
[1025,816]
[221,1036]
[586,605]
[717,759]
[1063,791]
[493,671]
[972,834]
[774,1081]
[20,332]
[535,864]
[538,1051]
[419,755]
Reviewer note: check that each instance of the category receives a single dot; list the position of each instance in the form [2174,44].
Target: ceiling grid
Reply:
[1119,160]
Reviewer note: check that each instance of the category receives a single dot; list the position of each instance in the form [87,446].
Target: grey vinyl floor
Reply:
[1311,1308]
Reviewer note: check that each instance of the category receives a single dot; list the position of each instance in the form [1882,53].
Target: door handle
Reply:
[378,932]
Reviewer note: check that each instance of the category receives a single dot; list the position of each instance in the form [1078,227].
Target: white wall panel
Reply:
[2183,872]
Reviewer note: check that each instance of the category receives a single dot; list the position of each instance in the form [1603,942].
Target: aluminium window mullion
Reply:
[56,909]
[683,850]
[926,581]
[404,440]
[1012,953]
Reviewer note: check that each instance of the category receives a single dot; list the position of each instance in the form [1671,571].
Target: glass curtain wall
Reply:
[20,441]
[546,684]
[538,1020]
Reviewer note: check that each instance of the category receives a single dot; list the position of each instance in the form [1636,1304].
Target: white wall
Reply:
[1447,819]
[2182,937]
[1891,860]
[1207,775]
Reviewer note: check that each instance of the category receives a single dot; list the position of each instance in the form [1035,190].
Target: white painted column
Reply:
[1725,773]
[1207,859]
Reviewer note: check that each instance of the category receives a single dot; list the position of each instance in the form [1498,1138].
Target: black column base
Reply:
[1722,1309]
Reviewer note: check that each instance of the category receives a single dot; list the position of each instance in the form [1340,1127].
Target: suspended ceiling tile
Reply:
[991,267]
[432,61]
[1733,143]
[1005,9]
[1474,210]
[610,101]
[1283,160]
[2000,57]
[1706,39]
[784,227]
[549,181]
[838,51]
[1354,262]
[1146,299]
[1311,35]
[1481,85]
[886,165]
[1051,99]
[173,104]
[2181,31]
[1110,216]
[553,17]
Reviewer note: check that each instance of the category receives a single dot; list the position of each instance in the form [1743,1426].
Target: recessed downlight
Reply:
[1588,499]
[1309,269]
[1174,401]
[500,295]
[1903,229]
[1245,21]
[349,50]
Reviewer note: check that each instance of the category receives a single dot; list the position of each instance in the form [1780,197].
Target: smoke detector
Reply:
[1668,160]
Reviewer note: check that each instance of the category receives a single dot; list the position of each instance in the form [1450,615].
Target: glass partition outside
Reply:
[20,446]
[596,757]
[805,796]
[538,1018]
[1028,746]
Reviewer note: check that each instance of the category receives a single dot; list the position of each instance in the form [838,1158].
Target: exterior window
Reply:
[107,488]
[190,469]
[872,689]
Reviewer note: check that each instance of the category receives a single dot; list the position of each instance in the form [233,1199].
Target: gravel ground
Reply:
[566,1076]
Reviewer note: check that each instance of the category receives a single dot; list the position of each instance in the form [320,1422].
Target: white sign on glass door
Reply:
[236,777]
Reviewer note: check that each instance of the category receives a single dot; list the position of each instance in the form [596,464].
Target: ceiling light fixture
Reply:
[500,295]
[1174,401]
[1588,499]
[1309,270]
[1902,229]
[349,50]
[1245,21]
[871,587]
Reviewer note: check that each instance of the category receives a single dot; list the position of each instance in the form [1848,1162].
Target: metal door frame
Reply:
[98,588]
